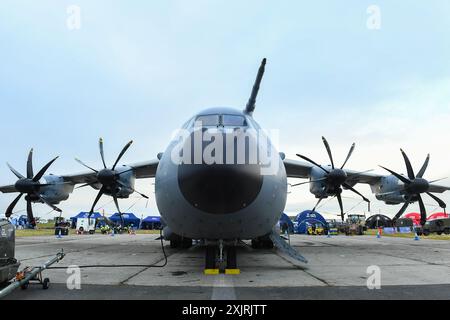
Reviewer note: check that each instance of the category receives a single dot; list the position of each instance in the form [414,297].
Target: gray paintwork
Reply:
[256,220]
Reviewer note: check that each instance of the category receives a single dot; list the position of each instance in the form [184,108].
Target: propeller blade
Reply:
[126,171]
[317,204]
[85,165]
[409,168]
[439,201]
[10,209]
[402,210]
[400,177]
[327,146]
[341,206]
[358,174]
[116,202]
[437,180]
[122,153]
[30,173]
[311,161]
[86,185]
[30,215]
[134,190]
[389,193]
[49,204]
[102,153]
[349,155]
[358,193]
[99,195]
[16,173]
[424,167]
[43,170]
[311,181]
[423,212]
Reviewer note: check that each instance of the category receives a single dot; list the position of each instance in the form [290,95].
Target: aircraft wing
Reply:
[146,169]
[142,170]
[8,189]
[297,169]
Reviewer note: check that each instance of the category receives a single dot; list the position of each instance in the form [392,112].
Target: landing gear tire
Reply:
[174,244]
[210,261]
[186,243]
[183,243]
[262,243]
[46,284]
[231,258]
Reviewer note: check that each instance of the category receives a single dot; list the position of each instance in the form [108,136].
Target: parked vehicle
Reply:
[438,226]
[355,225]
[85,225]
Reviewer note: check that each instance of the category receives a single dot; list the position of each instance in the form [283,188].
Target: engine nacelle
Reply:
[128,180]
[58,191]
[317,188]
[389,190]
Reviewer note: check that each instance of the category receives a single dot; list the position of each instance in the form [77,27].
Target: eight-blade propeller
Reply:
[336,178]
[415,185]
[109,179]
[31,187]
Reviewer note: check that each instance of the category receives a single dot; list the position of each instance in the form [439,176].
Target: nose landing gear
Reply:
[215,259]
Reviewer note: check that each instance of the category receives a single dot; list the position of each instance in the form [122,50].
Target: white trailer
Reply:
[86,225]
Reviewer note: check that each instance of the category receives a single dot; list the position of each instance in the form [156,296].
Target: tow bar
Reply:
[32,274]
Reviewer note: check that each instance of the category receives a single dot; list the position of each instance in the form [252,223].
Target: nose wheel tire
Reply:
[210,263]
[231,258]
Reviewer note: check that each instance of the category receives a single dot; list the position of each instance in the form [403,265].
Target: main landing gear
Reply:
[177,242]
[262,243]
[216,263]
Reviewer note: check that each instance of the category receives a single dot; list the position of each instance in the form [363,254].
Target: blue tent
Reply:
[286,221]
[22,221]
[128,219]
[306,218]
[151,223]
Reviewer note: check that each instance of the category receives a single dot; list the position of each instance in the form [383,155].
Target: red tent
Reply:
[414,216]
[438,215]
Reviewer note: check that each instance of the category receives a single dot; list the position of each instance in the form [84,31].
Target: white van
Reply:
[85,225]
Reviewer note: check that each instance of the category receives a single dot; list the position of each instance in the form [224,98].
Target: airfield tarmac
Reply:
[337,269]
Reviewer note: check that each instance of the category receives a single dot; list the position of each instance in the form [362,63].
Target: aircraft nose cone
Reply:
[220,188]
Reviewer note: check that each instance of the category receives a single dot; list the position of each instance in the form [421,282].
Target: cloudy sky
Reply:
[138,69]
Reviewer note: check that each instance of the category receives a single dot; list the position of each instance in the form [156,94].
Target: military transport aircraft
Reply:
[221,181]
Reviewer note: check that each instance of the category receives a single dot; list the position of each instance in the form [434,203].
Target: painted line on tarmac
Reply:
[223,288]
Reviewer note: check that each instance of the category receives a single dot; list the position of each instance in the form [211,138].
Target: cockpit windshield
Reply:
[211,120]
[225,120]
[233,121]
